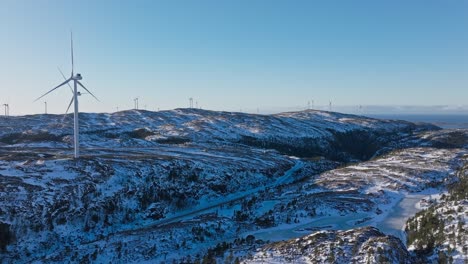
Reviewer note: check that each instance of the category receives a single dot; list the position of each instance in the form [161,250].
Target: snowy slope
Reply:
[439,233]
[306,133]
[363,245]
[199,124]
[164,186]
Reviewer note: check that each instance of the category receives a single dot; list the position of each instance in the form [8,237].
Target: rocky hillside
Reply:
[439,234]
[362,245]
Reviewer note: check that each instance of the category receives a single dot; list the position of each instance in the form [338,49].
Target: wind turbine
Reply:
[135,101]
[76,78]
[7,109]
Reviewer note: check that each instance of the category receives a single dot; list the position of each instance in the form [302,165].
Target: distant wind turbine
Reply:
[135,101]
[76,81]
[7,109]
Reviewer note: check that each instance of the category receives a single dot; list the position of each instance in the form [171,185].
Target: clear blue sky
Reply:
[232,55]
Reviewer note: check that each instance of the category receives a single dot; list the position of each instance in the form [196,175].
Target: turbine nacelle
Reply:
[77,77]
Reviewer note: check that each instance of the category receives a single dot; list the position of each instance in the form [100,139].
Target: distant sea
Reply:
[442,120]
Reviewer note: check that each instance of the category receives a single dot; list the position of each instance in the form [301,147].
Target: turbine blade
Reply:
[71,102]
[68,108]
[71,89]
[71,45]
[66,81]
[88,91]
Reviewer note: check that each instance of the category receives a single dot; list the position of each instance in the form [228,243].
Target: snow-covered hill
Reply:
[362,245]
[308,133]
[177,185]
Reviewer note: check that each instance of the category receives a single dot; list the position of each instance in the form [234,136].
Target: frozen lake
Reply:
[393,223]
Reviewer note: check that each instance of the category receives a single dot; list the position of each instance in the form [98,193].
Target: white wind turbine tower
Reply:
[135,101]
[76,81]
[7,109]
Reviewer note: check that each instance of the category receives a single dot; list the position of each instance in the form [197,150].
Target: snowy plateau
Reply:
[198,186]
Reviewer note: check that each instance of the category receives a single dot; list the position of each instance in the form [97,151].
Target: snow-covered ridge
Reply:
[305,134]
[197,124]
